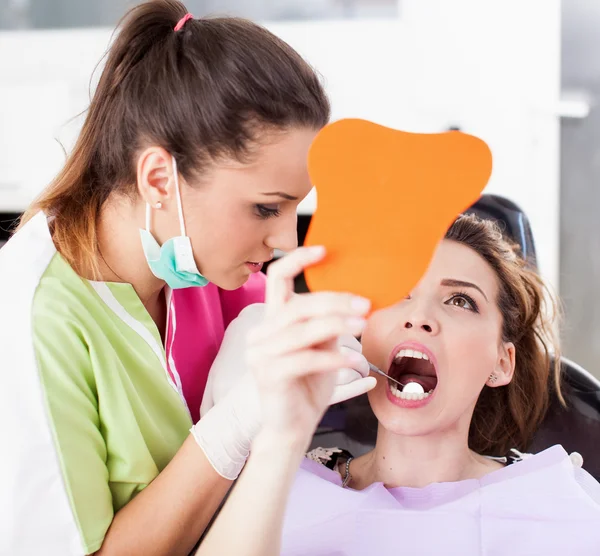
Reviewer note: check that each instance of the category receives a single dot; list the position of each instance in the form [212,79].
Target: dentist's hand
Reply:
[229,365]
[230,409]
[295,354]
[352,381]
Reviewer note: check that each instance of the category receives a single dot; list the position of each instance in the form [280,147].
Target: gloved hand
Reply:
[230,410]
[352,382]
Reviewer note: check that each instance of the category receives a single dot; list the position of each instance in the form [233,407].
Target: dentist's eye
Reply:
[463,301]
[267,211]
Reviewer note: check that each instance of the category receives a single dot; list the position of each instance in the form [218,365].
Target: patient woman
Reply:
[471,345]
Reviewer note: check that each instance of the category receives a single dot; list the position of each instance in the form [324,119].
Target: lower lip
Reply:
[407,404]
[254,267]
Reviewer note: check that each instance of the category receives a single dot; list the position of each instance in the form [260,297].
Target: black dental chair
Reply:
[352,425]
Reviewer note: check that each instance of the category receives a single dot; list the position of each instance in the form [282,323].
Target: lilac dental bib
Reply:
[542,505]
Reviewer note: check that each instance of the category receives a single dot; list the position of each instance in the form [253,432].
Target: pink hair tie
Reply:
[183,20]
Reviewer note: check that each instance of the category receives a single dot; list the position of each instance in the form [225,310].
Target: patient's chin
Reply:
[439,418]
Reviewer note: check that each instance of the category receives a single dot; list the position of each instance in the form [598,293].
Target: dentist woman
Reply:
[118,286]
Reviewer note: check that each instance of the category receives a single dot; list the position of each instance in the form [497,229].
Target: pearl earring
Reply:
[158,205]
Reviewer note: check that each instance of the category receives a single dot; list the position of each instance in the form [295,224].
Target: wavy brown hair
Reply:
[202,93]
[508,416]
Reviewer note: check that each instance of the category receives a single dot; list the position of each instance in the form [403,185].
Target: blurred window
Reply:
[64,14]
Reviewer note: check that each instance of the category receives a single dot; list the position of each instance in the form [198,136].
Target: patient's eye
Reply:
[463,301]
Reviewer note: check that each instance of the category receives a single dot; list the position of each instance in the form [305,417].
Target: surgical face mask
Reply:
[174,261]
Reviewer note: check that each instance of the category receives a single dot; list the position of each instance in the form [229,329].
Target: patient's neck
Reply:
[417,461]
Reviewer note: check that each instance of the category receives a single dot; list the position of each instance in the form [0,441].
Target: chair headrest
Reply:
[511,219]
[578,377]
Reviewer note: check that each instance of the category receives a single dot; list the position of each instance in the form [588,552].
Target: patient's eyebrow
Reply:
[281,194]
[462,284]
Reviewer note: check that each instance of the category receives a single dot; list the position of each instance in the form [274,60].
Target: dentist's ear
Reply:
[505,366]
[155,176]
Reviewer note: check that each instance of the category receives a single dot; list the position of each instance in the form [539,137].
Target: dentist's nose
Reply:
[284,234]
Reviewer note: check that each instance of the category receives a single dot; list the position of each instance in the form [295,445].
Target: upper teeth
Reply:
[411,353]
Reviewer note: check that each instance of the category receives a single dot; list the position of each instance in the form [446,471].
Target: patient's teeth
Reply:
[410,395]
[416,354]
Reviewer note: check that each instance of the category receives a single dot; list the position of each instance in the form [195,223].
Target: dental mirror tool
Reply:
[377,371]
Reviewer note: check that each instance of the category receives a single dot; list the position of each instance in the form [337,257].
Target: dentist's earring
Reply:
[158,205]
[492,378]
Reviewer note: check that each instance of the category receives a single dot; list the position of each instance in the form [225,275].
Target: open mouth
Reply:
[415,370]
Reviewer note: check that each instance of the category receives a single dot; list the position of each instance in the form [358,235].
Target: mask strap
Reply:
[178,194]
[148,217]
[179,205]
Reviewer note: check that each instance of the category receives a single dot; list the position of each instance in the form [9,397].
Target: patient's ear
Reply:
[505,366]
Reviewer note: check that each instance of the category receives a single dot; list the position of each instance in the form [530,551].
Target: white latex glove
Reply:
[229,366]
[230,410]
[352,382]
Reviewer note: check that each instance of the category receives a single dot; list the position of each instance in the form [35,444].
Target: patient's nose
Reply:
[427,325]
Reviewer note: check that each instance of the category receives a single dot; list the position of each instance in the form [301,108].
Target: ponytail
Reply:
[201,93]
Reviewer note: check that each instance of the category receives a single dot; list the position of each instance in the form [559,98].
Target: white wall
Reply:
[491,67]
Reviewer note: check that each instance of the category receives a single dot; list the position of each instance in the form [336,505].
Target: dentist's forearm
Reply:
[172,512]
[251,522]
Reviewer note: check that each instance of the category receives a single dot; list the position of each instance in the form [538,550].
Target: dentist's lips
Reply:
[255,267]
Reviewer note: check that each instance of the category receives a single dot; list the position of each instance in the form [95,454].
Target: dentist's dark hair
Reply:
[204,92]
[508,416]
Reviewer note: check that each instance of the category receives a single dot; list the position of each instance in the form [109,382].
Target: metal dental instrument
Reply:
[377,371]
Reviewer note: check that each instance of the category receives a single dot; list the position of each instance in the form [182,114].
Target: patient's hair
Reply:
[506,417]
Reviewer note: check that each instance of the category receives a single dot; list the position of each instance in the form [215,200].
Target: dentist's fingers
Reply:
[350,342]
[281,274]
[299,364]
[311,306]
[351,390]
[306,306]
[313,333]
[363,365]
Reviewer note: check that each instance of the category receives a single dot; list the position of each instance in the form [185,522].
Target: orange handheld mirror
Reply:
[385,199]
